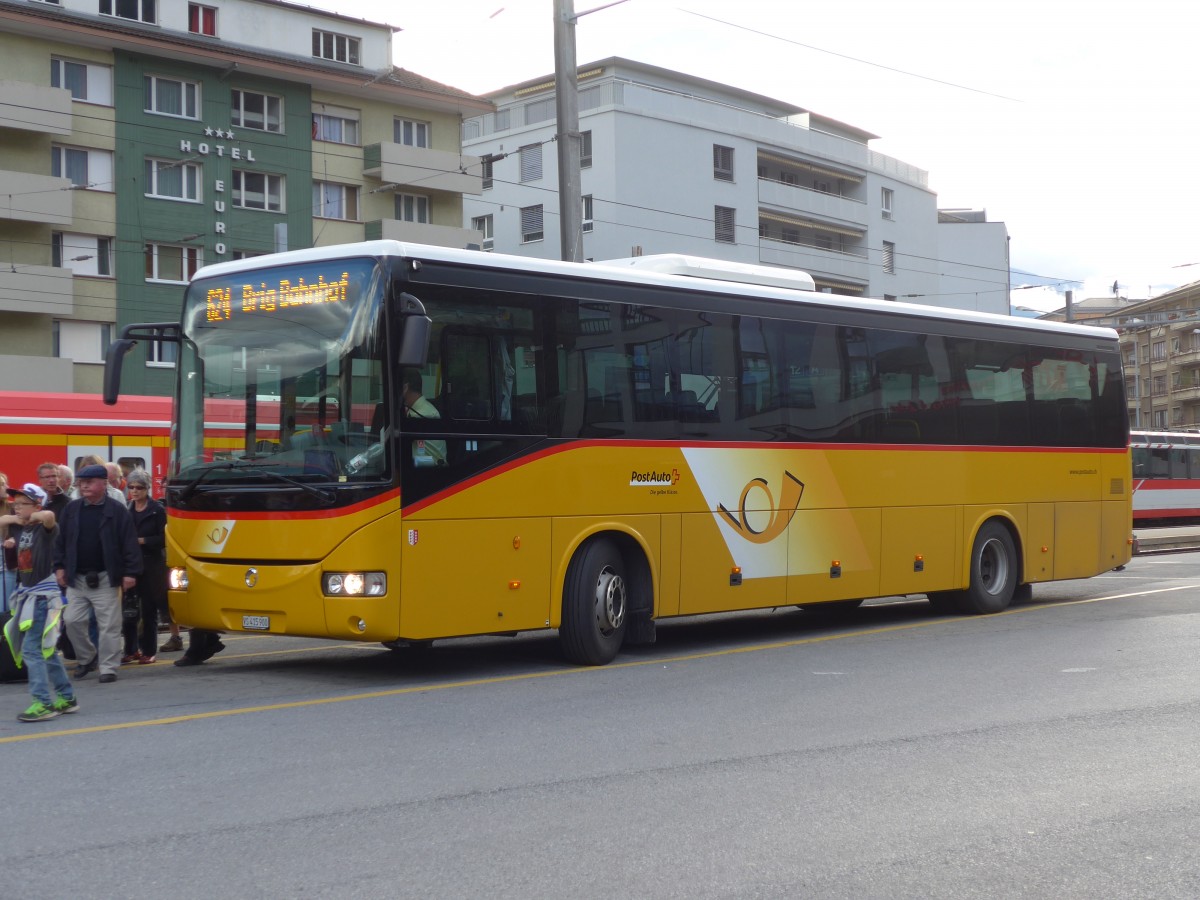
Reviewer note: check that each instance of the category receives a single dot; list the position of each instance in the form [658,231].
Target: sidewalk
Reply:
[1174,539]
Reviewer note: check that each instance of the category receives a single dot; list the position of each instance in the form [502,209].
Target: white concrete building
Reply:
[676,164]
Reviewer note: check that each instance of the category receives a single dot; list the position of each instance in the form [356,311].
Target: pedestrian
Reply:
[116,480]
[66,480]
[56,497]
[201,646]
[150,523]
[96,558]
[32,633]
[8,561]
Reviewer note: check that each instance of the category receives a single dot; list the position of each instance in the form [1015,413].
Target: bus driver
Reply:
[416,406]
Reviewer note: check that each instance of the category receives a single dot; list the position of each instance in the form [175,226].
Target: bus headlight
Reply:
[354,584]
[177,579]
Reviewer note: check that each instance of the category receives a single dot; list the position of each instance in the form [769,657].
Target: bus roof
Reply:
[621,271]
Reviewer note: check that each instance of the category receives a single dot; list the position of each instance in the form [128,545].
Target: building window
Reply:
[885,202]
[1158,386]
[531,162]
[411,133]
[87,82]
[172,180]
[83,166]
[724,220]
[262,112]
[1160,418]
[486,164]
[585,150]
[483,224]
[337,47]
[169,97]
[335,201]
[257,190]
[161,354]
[1158,350]
[412,208]
[168,262]
[138,10]
[85,342]
[83,254]
[340,127]
[587,212]
[247,254]
[531,224]
[889,257]
[722,163]
[890,298]
[202,19]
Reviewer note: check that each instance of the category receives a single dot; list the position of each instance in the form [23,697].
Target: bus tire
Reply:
[595,604]
[994,571]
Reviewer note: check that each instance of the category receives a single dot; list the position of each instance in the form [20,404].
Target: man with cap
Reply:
[96,559]
[32,633]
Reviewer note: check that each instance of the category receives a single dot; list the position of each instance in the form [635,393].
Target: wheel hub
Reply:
[610,600]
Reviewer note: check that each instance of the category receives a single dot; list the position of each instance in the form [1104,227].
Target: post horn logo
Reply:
[218,534]
[781,515]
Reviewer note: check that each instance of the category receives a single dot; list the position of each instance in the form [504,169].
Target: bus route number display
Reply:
[224,302]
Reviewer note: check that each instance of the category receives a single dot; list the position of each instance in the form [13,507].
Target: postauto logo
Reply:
[654,479]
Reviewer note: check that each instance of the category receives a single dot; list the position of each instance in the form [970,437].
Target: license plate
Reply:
[256,623]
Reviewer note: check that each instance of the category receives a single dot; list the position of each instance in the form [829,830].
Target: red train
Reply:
[61,428]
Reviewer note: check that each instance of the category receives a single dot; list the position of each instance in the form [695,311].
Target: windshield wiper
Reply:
[190,488]
[326,497]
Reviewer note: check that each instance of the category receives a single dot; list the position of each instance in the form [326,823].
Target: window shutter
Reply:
[531,223]
[724,220]
[531,162]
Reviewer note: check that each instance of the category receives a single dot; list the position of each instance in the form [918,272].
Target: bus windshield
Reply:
[285,373]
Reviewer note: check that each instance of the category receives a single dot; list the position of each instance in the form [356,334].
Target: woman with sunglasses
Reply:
[150,523]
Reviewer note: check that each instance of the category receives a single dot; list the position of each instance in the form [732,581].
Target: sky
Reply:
[1077,125]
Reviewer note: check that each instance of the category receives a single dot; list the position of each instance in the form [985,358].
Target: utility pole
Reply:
[566,96]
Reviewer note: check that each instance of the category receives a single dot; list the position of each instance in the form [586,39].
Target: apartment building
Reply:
[1160,341]
[671,163]
[142,139]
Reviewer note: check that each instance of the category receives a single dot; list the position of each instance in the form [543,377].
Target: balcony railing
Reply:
[423,233]
[35,107]
[423,169]
[36,289]
[25,197]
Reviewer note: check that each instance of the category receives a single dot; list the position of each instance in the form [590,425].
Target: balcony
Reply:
[423,169]
[422,233]
[25,197]
[35,107]
[814,260]
[36,289]
[806,201]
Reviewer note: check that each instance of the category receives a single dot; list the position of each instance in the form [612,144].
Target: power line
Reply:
[865,62]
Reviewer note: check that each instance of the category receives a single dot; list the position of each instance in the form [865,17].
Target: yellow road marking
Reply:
[528,676]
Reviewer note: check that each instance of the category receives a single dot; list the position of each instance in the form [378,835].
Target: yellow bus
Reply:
[596,447]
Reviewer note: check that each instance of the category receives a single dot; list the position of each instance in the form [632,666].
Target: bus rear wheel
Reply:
[595,603]
[994,571]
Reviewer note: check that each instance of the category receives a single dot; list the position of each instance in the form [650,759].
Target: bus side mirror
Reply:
[414,338]
[113,360]
[414,342]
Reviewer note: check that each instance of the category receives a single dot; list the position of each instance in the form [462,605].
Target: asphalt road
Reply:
[1046,752]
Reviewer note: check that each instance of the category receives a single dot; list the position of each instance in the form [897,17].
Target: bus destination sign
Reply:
[224,302]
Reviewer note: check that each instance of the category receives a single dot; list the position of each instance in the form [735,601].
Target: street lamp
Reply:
[566,101]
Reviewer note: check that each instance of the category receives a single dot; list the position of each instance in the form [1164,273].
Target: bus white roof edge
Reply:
[716,270]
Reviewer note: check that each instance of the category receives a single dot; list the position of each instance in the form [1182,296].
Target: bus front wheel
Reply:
[993,571]
[595,603]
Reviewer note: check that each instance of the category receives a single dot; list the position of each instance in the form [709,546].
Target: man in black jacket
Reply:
[96,559]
